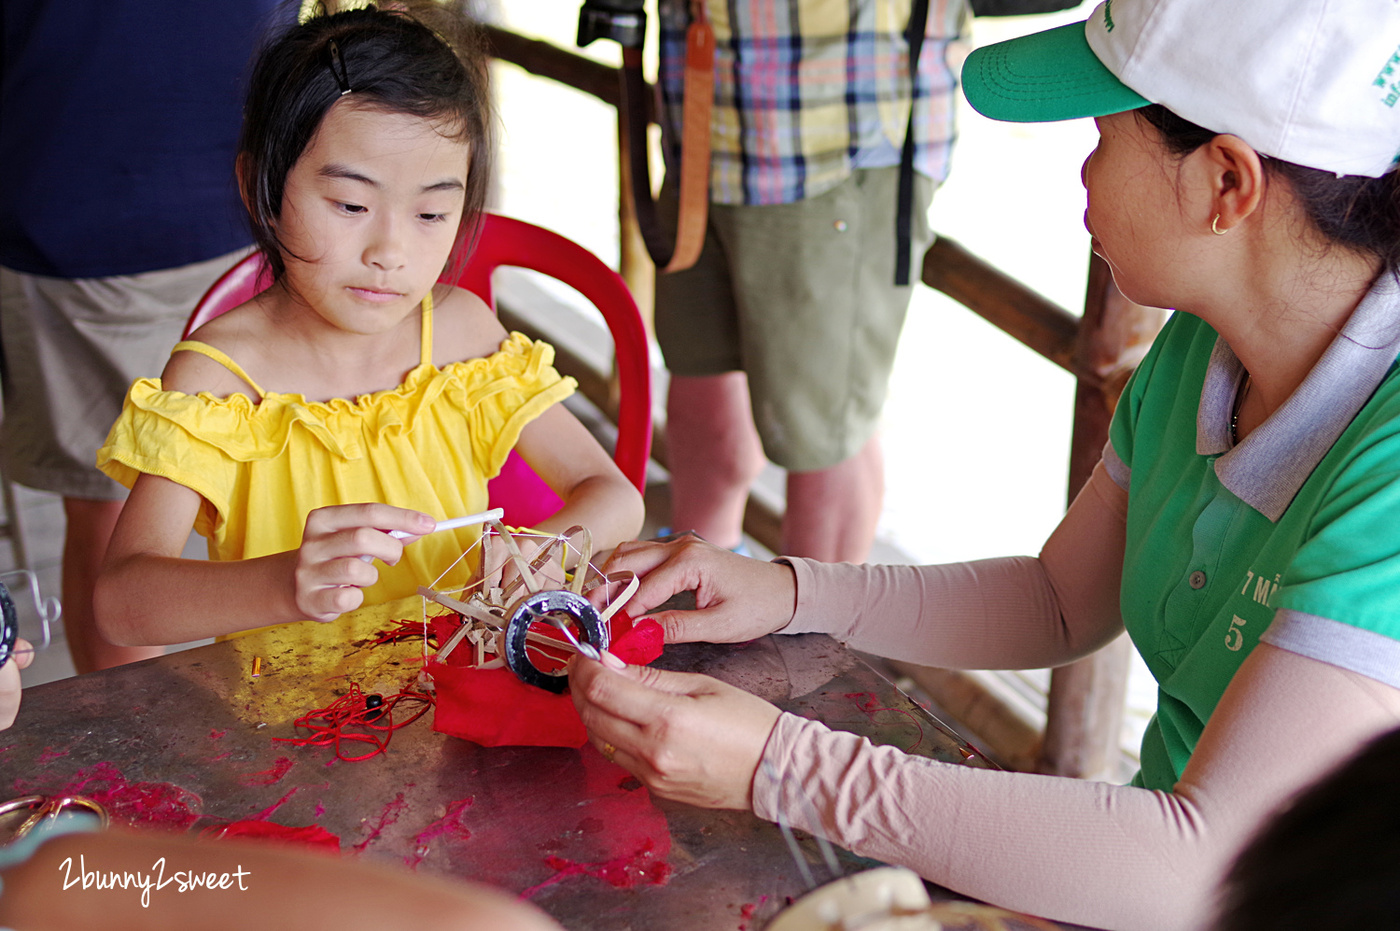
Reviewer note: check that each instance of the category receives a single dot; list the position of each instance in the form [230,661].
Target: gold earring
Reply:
[1216,229]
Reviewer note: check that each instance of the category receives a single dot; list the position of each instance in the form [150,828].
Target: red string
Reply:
[401,630]
[871,706]
[330,726]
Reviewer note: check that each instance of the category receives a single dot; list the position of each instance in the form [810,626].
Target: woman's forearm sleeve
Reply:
[989,614]
[1103,855]
[1014,612]
[1047,845]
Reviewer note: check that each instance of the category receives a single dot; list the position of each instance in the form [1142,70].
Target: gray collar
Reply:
[1270,465]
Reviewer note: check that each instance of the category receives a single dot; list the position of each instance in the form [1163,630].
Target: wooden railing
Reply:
[1099,347]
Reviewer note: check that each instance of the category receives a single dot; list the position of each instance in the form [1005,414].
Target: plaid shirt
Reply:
[808,90]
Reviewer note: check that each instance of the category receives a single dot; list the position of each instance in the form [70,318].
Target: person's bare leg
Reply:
[90,524]
[832,513]
[714,453]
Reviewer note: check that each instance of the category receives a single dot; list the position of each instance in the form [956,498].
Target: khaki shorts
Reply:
[71,349]
[801,297]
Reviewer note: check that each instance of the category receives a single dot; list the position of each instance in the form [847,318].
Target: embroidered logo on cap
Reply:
[1383,79]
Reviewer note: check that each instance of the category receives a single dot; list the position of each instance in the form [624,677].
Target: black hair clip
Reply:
[338,70]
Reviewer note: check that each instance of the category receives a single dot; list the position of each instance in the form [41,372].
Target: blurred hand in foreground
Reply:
[9,682]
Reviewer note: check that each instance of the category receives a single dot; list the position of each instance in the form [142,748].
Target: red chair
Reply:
[506,241]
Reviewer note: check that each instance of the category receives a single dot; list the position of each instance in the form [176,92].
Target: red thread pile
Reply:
[348,720]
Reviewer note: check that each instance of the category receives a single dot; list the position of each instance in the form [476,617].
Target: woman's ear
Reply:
[1237,180]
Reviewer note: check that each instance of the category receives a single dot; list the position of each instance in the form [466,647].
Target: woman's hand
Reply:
[9,682]
[736,598]
[687,737]
[331,569]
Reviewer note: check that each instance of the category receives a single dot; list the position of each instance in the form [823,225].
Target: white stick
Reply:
[453,524]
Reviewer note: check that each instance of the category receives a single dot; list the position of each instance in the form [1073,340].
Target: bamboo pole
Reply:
[550,61]
[634,264]
[1004,302]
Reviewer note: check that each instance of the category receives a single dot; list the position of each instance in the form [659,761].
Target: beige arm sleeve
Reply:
[1016,612]
[1102,855]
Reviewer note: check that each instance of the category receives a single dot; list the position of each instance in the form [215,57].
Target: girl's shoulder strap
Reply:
[426,353]
[204,349]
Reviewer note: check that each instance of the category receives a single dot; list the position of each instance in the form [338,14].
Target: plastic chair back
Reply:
[507,241]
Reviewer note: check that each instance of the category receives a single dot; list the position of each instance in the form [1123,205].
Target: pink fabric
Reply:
[1107,856]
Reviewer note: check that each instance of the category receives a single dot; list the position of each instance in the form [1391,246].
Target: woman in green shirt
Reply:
[1244,526]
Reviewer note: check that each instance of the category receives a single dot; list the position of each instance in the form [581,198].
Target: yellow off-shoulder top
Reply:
[262,464]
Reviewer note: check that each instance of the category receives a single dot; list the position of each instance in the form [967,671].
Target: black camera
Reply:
[620,20]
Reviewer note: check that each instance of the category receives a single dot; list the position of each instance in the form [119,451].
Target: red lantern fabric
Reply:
[493,708]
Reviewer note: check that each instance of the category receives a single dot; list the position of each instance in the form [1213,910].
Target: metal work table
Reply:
[186,740]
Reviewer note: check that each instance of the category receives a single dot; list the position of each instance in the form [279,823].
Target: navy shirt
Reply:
[119,121]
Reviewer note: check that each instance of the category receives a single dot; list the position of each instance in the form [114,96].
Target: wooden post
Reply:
[1084,715]
[634,264]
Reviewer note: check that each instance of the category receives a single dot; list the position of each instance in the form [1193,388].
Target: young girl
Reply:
[355,396]
[1244,527]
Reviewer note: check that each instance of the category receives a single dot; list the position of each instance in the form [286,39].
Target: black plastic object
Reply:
[9,624]
[623,21]
[1020,7]
[535,608]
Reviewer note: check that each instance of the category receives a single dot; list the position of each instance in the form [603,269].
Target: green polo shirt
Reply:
[1291,536]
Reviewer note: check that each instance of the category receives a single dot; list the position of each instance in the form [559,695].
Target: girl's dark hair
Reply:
[1330,859]
[1353,211]
[421,60]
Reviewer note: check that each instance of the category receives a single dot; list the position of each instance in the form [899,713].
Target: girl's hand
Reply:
[687,737]
[9,682]
[329,572]
[736,598]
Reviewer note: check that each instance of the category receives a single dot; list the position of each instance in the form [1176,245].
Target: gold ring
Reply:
[608,751]
[48,806]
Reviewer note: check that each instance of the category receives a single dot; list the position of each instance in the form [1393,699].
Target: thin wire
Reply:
[787,787]
[48,610]
[795,850]
[488,571]
[464,555]
[589,650]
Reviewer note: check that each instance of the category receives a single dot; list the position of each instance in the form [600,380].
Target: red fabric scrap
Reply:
[312,835]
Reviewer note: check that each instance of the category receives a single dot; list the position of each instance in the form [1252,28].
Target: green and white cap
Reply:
[1315,82]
